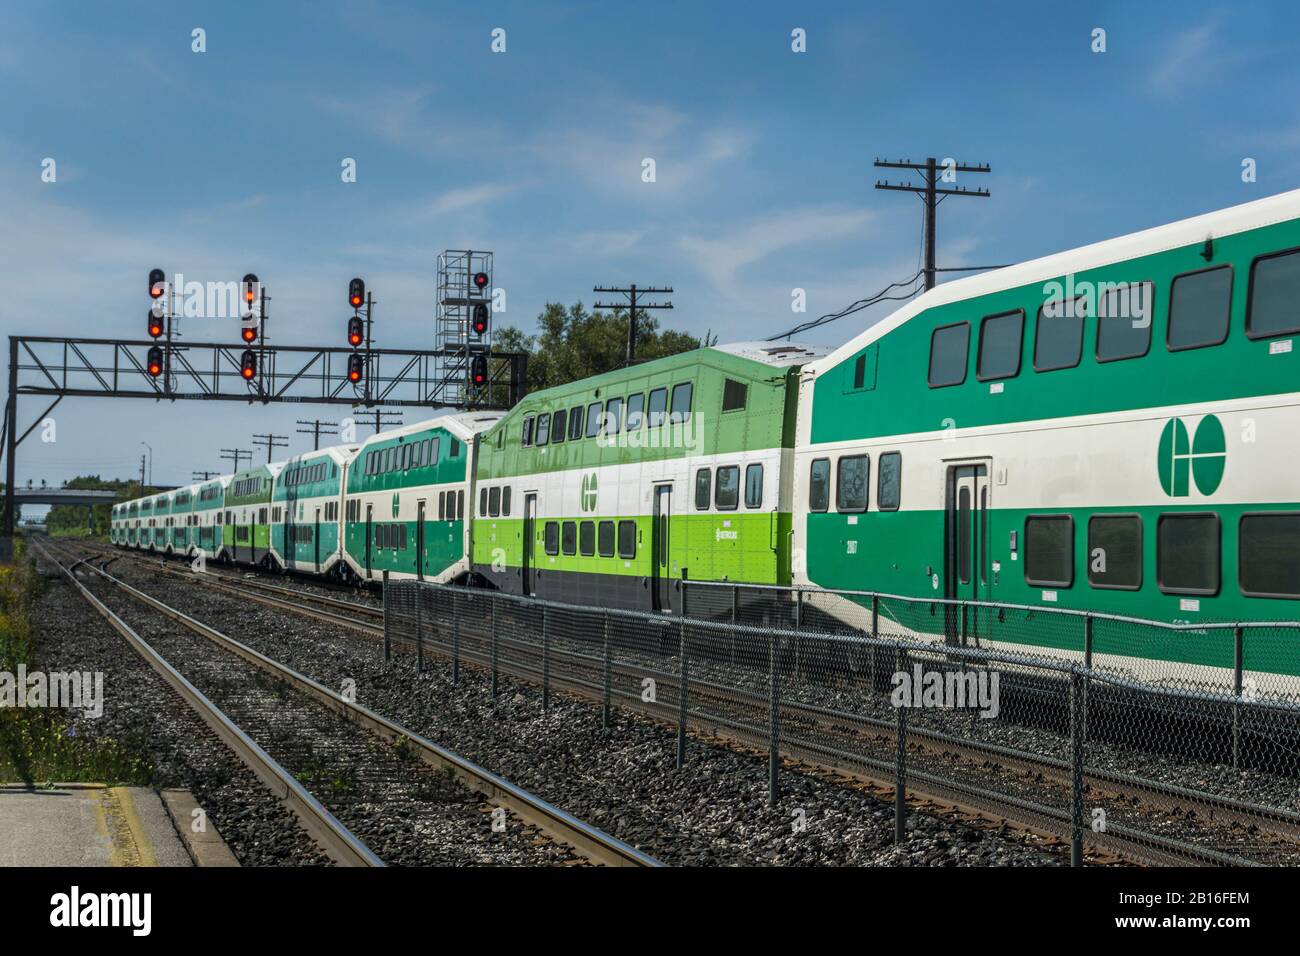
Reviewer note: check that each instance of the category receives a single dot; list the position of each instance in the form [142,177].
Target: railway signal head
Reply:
[154,363]
[480,280]
[155,324]
[157,283]
[248,364]
[249,332]
[250,288]
[356,293]
[356,331]
[354,368]
[478,370]
[480,322]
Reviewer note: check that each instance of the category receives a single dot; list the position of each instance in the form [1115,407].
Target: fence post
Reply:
[493,599]
[1087,663]
[604,711]
[683,690]
[1238,655]
[875,633]
[1076,768]
[774,717]
[546,662]
[387,614]
[900,756]
[735,614]
[455,638]
[419,629]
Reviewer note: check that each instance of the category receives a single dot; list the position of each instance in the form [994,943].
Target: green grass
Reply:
[39,746]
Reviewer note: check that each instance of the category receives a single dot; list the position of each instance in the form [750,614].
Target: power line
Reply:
[383,417]
[234,455]
[204,475]
[858,306]
[632,292]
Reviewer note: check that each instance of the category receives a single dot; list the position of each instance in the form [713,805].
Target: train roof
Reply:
[464,425]
[1174,235]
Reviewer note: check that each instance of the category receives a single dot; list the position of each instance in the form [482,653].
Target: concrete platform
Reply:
[95,825]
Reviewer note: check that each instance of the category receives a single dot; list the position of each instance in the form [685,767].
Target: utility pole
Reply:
[142,474]
[931,193]
[270,443]
[632,292]
[235,455]
[382,418]
[204,475]
[317,428]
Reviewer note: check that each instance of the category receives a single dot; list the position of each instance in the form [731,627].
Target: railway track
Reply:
[1212,829]
[274,702]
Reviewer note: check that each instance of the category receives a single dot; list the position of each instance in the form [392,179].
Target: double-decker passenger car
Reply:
[306,505]
[246,531]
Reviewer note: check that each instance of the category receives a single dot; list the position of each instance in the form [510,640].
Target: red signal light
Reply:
[155,325]
[356,332]
[154,362]
[249,333]
[480,280]
[157,283]
[480,324]
[354,368]
[478,370]
[356,293]
[248,364]
[250,288]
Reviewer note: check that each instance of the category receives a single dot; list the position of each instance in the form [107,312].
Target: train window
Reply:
[593,419]
[613,416]
[435,448]
[627,539]
[551,537]
[1274,289]
[1115,552]
[703,482]
[819,485]
[949,348]
[494,502]
[1199,308]
[526,438]
[655,406]
[860,371]
[635,412]
[587,538]
[408,452]
[605,539]
[455,449]
[1058,336]
[734,395]
[889,481]
[753,486]
[1049,551]
[460,506]
[543,429]
[851,474]
[1187,554]
[726,488]
[569,537]
[1001,338]
[681,408]
[482,502]
[1268,555]
[1124,321]
[505,501]
[558,421]
[575,423]
[442,505]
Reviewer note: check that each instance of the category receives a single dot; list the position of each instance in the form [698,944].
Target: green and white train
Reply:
[1111,429]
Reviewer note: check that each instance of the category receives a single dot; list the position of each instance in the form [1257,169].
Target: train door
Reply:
[530,540]
[661,585]
[370,510]
[966,565]
[419,540]
[315,539]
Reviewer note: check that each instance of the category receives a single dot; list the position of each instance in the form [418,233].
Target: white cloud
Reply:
[1187,59]
[721,257]
[469,197]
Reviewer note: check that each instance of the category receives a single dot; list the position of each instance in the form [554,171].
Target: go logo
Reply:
[1202,459]
[589,492]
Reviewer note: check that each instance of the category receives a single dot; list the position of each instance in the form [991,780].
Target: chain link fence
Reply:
[931,699]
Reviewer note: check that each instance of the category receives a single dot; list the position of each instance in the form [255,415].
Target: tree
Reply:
[72,519]
[573,343]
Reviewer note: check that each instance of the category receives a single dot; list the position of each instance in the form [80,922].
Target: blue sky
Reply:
[228,161]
